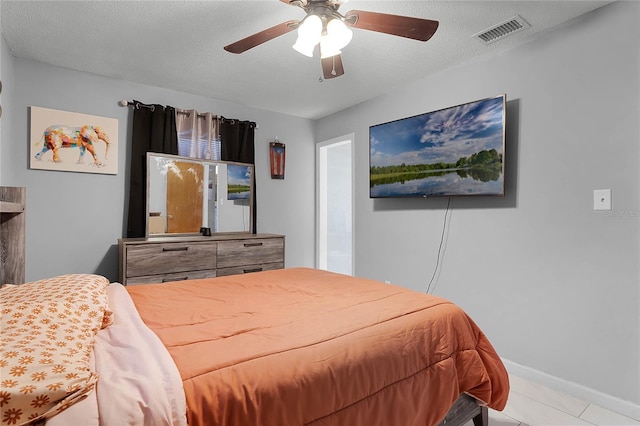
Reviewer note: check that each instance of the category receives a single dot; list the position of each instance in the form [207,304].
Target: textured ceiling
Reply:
[179,45]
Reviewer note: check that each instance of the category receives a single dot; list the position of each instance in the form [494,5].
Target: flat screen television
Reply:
[449,152]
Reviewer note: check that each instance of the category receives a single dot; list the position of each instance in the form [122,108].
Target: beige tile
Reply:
[496,418]
[603,417]
[547,396]
[535,413]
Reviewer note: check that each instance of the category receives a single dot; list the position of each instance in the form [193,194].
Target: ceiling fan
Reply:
[325,26]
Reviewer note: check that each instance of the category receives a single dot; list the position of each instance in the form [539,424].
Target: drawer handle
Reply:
[252,244]
[185,248]
[168,280]
[248,271]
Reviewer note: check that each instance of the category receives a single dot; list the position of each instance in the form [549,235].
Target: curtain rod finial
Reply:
[124,102]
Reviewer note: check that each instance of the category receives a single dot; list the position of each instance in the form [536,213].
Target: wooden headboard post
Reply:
[12,234]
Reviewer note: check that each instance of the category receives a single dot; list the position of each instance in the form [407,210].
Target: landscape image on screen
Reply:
[453,151]
[238,182]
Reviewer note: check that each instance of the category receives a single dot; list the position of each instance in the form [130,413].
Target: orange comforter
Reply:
[303,346]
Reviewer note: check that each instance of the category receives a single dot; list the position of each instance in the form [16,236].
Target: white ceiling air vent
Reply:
[503,29]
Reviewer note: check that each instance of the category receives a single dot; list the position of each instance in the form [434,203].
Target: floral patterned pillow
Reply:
[48,330]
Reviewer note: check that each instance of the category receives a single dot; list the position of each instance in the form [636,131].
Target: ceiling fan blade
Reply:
[403,26]
[332,67]
[261,37]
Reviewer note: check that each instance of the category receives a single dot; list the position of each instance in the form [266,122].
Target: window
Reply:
[198,134]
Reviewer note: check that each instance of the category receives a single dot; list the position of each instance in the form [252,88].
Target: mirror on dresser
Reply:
[186,194]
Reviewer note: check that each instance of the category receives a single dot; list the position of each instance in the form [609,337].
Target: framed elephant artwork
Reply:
[73,142]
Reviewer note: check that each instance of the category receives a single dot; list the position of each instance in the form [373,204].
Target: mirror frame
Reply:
[204,162]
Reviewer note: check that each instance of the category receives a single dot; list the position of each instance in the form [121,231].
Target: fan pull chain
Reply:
[333,61]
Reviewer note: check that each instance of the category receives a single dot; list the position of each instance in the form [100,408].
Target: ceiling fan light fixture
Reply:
[328,48]
[309,33]
[338,32]
[304,48]
[335,37]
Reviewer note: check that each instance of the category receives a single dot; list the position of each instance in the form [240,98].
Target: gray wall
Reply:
[6,76]
[75,219]
[552,283]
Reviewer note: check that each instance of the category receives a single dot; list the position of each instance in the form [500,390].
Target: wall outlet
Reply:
[602,199]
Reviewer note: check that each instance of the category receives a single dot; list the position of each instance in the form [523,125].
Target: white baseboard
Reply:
[620,406]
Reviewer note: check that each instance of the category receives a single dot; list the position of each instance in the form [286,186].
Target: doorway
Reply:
[334,189]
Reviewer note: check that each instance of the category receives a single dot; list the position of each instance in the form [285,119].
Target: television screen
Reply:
[453,151]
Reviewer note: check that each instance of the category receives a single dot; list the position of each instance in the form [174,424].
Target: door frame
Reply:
[350,139]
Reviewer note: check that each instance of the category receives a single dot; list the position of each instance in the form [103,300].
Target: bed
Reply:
[295,346]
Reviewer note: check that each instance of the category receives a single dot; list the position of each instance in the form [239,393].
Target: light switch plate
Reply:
[602,199]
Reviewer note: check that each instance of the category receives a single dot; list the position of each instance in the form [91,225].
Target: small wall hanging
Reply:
[73,142]
[277,156]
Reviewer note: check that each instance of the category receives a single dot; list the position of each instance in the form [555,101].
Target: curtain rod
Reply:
[233,120]
[137,105]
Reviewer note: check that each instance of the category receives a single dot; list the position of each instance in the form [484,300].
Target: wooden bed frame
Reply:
[464,409]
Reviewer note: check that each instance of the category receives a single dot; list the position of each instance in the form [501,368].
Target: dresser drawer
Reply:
[250,252]
[222,272]
[161,259]
[189,275]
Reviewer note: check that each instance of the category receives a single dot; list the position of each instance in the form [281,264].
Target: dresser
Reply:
[164,259]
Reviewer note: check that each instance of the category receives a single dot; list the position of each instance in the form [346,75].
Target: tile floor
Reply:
[531,404]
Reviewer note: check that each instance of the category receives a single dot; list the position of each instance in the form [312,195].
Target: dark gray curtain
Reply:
[154,130]
[237,144]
